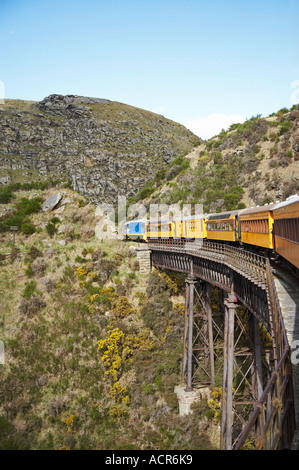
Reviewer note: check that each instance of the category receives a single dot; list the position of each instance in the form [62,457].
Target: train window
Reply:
[220,226]
[153,228]
[255,226]
[287,228]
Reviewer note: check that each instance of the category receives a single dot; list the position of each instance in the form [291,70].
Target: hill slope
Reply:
[92,347]
[101,147]
[250,164]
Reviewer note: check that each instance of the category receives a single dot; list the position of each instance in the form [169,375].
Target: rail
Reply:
[273,418]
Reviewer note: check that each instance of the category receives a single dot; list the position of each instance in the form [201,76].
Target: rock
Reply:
[239,152]
[51,202]
[102,149]
[61,229]
[59,210]
[66,201]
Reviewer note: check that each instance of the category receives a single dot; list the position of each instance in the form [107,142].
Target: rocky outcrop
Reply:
[51,202]
[103,148]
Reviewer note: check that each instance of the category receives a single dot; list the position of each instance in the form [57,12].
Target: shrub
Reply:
[57,405]
[39,266]
[29,289]
[31,306]
[122,307]
[29,271]
[154,313]
[34,253]
[68,273]
[51,229]
[50,284]
[146,192]
[14,219]
[156,284]
[217,158]
[55,220]
[28,228]
[28,206]
[284,127]
[5,195]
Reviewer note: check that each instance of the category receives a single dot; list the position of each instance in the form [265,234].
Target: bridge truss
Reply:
[245,341]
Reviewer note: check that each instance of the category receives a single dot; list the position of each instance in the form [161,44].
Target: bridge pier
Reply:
[198,344]
[257,371]
[188,333]
[144,257]
[227,385]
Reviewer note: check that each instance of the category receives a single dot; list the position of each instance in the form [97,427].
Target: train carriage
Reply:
[190,227]
[257,226]
[223,226]
[286,230]
[159,229]
[195,227]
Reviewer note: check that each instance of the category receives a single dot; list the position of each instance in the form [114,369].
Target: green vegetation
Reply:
[20,215]
[6,194]
[51,229]
[285,126]
[213,184]
[97,352]
[230,167]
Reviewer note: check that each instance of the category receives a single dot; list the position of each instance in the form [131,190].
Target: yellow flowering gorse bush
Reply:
[118,350]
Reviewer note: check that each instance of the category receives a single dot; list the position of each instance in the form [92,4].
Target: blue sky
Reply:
[202,63]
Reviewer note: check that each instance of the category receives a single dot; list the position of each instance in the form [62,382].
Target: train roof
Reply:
[191,217]
[223,215]
[136,221]
[159,221]
[288,201]
[265,208]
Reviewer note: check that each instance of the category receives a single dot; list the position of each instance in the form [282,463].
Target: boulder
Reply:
[51,202]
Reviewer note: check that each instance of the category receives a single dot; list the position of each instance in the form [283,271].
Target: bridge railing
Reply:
[248,263]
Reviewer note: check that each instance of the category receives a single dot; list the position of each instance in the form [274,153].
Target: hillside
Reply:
[98,147]
[92,347]
[251,164]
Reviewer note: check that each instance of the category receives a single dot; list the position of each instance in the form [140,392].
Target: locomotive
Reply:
[272,228]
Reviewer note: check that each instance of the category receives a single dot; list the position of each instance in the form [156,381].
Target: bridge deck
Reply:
[287,287]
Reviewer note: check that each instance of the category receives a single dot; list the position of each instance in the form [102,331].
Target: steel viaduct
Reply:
[246,341]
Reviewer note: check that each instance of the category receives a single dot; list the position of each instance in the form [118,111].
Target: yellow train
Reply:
[224,226]
[286,230]
[257,226]
[271,228]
